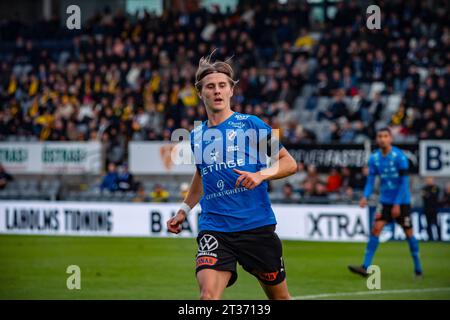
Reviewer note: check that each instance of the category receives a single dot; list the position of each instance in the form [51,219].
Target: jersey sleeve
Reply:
[370,182]
[266,135]
[402,167]
[402,164]
[372,168]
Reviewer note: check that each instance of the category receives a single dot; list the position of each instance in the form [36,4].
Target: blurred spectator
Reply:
[110,180]
[334,181]
[125,180]
[349,195]
[358,179]
[5,177]
[347,134]
[337,109]
[320,190]
[297,179]
[376,108]
[312,174]
[288,193]
[304,42]
[141,195]
[346,178]
[159,194]
[445,202]
[308,188]
[313,186]
[184,189]
[309,183]
[430,197]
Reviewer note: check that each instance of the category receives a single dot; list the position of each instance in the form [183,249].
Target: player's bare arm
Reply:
[193,197]
[283,167]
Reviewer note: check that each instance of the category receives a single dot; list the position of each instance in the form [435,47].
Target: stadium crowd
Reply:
[123,78]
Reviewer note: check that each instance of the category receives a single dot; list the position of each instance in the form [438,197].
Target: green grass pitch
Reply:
[34,267]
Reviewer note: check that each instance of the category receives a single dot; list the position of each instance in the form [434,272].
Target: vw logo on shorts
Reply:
[208,243]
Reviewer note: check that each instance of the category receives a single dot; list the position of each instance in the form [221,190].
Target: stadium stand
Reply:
[127,78]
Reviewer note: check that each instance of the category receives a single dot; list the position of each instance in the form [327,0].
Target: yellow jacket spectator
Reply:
[46,121]
[399,116]
[174,94]
[189,96]
[155,82]
[34,86]
[304,41]
[159,194]
[12,86]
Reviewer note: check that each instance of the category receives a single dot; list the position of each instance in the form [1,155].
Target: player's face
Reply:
[216,92]
[384,139]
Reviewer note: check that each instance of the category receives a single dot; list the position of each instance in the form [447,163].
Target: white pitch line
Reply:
[369,292]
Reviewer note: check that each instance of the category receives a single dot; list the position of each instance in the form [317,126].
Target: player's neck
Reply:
[386,150]
[216,118]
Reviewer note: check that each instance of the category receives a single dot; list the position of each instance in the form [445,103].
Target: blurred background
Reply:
[87,114]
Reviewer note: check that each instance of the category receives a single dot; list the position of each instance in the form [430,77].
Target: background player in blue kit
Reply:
[237,223]
[391,164]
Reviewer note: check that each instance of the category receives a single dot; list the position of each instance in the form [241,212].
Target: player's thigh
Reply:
[405,220]
[382,216]
[215,263]
[377,227]
[276,292]
[212,283]
[408,232]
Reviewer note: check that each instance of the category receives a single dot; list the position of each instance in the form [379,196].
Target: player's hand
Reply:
[363,202]
[249,180]
[395,211]
[174,223]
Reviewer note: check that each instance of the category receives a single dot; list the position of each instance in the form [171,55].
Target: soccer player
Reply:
[391,164]
[237,223]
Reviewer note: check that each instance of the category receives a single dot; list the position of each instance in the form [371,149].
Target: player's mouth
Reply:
[218,100]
